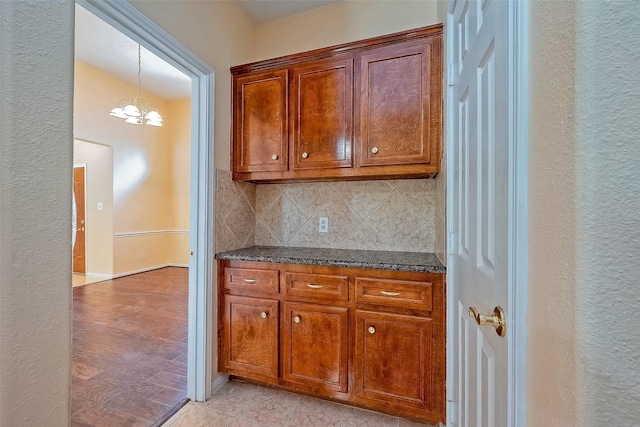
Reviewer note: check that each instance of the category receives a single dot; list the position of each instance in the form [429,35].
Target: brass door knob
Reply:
[498,319]
[305,155]
[296,319]
[371,330]
[274,157]
[374,150]
[263,314]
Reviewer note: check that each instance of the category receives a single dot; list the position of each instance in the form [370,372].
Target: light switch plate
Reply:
[323,224]
[99,206]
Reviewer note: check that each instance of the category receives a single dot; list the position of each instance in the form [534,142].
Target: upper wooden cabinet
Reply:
[397,105]
[363,110]
[322,114]
[260,122]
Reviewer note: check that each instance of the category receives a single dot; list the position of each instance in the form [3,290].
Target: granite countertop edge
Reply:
[398,261]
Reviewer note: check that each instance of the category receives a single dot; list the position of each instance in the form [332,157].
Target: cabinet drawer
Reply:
[317,286]
[396,293]
[251,279]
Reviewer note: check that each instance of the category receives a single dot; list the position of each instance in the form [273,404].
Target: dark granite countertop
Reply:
[379,260]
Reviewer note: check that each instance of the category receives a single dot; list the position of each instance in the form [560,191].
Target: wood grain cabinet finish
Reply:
[260,122]
[322,114]
[393,360]
[372,338]
[315,347]
[370,109]
[399,102]
[251,336]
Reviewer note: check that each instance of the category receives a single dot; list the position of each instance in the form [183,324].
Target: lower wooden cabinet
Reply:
[315,344]
[251,336]
[374,338]
[393,360]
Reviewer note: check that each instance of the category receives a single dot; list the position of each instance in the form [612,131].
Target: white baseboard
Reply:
[219,382]
[99,275]
[176,264]
[140,270]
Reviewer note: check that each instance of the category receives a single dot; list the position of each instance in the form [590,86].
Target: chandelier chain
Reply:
[139,73]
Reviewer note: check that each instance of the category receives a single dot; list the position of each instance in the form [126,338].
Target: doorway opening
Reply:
[199,195]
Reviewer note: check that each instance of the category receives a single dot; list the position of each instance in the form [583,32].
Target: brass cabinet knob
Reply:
[263,314]
[305,155]
[498,319]
[374,150]
[296,319]
[80,229]
[249,280]
[274,157]
[314,286]
[371,330]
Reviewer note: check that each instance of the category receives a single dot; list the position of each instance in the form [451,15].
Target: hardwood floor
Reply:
[129,349]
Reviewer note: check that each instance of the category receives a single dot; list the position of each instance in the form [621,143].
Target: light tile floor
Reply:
[238,404]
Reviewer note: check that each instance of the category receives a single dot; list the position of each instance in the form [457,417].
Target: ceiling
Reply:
[102,46]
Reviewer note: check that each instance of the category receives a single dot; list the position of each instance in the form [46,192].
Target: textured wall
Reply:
[552,367]
[36,74]
[608,210]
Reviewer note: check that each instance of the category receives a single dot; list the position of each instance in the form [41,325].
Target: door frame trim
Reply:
[518,219]
[131,22]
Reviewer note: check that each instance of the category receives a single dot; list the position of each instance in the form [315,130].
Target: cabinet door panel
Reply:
[251,336]
[393,359]
[396,105]
[260,122]
[322,114]
[315,344]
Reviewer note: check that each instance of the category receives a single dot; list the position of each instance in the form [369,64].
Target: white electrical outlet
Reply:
[323,224]
[99,206]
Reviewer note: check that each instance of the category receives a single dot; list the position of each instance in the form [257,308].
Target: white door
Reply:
[480,189]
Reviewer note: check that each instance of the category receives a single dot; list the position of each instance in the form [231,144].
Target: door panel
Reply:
[260,134]
[79,247]
[479,263]
[250,344]
[315,346]
[397,104]
[393,359]
[323,117]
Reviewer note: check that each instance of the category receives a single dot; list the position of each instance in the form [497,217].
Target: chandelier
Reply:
[135,111]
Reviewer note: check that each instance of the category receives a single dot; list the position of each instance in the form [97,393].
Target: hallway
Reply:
[129,348]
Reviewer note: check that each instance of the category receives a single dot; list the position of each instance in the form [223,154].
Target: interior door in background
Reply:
[479,255]
[79,247]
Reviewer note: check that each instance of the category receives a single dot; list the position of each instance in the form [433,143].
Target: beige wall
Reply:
[340,23]
[36,98]
[150,185]
[553,364]
[98,161]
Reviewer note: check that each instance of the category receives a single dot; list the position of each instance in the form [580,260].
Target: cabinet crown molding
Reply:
[326,52]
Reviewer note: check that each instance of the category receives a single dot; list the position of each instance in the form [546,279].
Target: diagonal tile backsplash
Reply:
[395,215]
